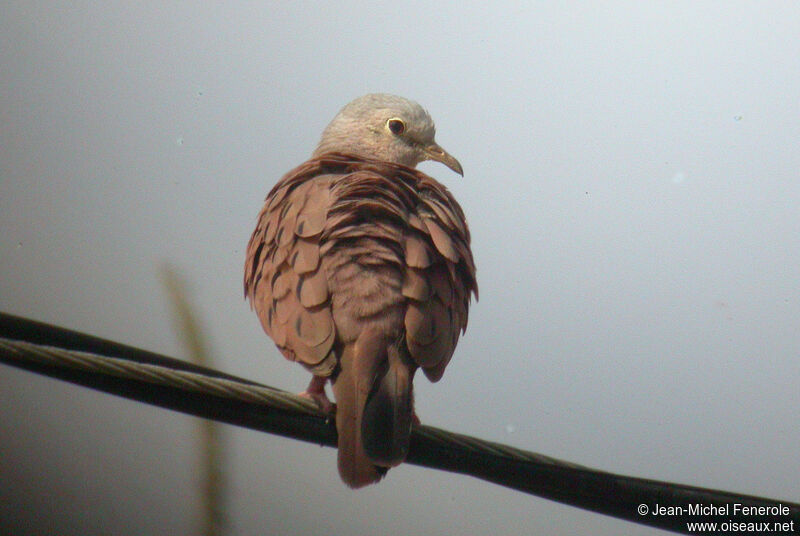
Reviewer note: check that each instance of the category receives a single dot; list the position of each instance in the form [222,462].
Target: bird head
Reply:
[388,128]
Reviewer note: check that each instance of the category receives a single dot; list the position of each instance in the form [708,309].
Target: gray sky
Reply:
[632,185]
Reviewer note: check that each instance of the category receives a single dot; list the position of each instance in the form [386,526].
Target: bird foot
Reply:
[316,392]
[321,399]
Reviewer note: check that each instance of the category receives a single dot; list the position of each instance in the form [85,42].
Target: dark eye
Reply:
[396,126]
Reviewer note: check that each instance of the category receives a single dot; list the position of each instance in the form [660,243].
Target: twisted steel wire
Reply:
[144,376]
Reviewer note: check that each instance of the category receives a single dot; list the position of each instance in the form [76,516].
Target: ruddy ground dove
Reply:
[360,269]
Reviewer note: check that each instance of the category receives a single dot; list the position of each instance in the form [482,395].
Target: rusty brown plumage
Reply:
[361,271]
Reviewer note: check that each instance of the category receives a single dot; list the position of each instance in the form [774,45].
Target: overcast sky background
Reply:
[632,181]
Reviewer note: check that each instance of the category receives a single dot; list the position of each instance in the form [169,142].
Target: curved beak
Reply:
[434,152]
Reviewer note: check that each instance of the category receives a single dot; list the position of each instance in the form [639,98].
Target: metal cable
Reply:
[156,374]
[210,394]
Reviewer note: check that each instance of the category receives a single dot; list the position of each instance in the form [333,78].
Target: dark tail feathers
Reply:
[386,420]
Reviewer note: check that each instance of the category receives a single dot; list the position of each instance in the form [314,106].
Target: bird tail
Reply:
[374,409]
[386,421]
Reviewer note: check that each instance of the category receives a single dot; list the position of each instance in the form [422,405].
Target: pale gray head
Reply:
[388,128]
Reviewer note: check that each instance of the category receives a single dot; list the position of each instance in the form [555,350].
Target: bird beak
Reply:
[434,152]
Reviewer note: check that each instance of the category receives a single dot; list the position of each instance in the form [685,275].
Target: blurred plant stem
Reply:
[188,329]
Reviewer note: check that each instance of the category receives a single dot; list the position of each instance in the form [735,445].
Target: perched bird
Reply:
[360,269]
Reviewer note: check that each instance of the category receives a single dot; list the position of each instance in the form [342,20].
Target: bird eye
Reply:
[397,126]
